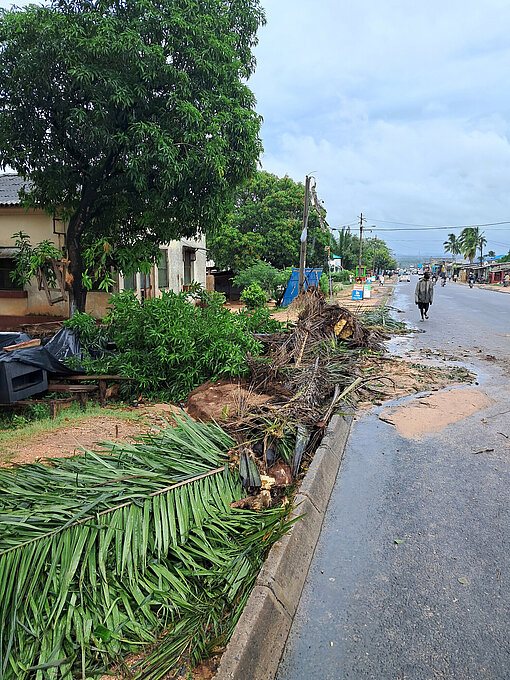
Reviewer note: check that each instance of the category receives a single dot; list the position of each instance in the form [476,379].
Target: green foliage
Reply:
[375,252]
[273,281]
[11,420]
[253,296]
[170,345]
[266,224]
[121,546]
[453,245]
[324,283]
[30,259]
[93,337]
[470,240]
[130,120]
[259,320]
[342,276]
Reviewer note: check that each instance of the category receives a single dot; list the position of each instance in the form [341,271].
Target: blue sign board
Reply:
[357,295]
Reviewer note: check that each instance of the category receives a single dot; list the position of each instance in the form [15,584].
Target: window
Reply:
[7,265]
[130,281]
[189,256]
[163,269]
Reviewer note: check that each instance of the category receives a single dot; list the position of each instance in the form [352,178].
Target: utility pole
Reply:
[304,233]
[360,242]
[373,261]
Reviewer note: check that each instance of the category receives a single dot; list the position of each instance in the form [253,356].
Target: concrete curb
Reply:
[259,638]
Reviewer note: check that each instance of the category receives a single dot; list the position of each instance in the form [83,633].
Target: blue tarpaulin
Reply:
[312,277]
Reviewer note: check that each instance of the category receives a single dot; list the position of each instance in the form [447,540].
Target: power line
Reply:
[430,228]
[436,226]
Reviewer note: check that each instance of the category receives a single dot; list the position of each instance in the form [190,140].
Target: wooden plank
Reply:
[23,345]
[60,387]
[83,378]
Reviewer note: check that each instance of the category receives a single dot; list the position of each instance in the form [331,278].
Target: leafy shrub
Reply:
[170,345]
[273,281]
[259,321]
[324,283]
[253,296]
[93,337]
[342,277]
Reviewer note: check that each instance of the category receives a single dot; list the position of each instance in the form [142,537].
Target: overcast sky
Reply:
[400,109]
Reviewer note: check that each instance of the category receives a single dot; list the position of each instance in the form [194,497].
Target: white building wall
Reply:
[174,251]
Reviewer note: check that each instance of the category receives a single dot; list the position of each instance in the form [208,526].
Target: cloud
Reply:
[400,108]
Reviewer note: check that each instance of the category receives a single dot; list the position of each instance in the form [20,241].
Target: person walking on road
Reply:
[424,294]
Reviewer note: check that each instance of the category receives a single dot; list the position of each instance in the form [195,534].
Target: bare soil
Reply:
[432,413]
[399,378]
[71,438]
[220,400]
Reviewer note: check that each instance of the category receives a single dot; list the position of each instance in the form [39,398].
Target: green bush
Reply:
[273,281]
[259,321]
[170,345]
[92,336]
[342,277]
[324,283]
[253,296]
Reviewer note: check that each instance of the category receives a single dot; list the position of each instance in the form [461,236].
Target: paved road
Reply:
[375,609]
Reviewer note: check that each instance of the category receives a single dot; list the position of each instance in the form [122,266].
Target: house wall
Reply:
[176,262]
[35,223]
[40,226]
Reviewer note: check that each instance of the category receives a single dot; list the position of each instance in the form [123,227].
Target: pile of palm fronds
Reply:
[109,553]
[310,371]
[319,328]
[305,365]
[380,320]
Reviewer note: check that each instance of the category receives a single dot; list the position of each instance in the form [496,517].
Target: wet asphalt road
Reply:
[372,608]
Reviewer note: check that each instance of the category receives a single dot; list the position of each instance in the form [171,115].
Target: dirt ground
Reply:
[71,438]
[214,401]
[399,378]
[433,412]
[343,298]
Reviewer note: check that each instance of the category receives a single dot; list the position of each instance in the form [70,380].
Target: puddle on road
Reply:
[433,412]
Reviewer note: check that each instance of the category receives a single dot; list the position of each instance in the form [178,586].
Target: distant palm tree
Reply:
[491,253]
[470,242]
[452,245]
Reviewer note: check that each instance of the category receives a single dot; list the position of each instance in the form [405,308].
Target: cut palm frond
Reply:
[102,552]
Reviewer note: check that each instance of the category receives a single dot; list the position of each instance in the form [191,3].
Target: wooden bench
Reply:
[80,391]
[102,381]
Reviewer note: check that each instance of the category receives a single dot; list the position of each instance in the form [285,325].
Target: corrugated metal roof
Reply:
[10,186]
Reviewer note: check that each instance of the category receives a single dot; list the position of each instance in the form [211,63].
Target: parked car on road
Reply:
[405,277]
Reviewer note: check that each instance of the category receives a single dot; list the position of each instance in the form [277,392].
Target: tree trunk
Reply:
[77,225]
[77,294]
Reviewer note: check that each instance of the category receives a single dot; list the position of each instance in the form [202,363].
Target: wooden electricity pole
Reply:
[304,233]
[360,242]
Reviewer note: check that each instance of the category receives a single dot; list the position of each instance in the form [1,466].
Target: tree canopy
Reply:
[453,245]
[131,118]
[266,224]
[375,252]
[472,239]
